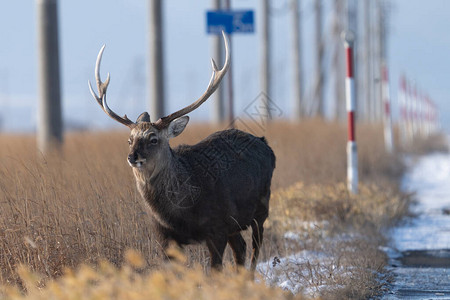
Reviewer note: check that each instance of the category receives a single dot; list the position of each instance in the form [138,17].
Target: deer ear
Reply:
[144,117]
[177,126]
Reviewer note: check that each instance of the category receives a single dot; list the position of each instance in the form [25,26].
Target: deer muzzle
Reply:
[135,161]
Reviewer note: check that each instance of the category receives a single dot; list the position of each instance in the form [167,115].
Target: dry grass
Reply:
[422,145]
[81,206]
[175,281]
[344,230]
[374,207]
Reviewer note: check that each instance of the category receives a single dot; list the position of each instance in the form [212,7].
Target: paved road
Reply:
[421,275]
[421,262]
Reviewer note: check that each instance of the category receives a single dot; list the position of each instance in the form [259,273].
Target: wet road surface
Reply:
[420,253]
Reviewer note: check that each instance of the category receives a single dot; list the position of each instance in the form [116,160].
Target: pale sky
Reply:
[419,45]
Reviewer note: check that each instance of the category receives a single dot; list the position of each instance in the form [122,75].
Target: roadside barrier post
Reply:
[352,152]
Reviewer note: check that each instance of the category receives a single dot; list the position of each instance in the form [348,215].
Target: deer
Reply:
[208,192]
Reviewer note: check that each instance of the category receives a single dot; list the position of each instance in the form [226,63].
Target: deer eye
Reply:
[130,142]
[153,140]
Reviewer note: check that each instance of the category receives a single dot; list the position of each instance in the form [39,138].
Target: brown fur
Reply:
[205,192]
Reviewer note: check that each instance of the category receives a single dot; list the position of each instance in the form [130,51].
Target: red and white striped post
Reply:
[402,96]
[415,112]
[409,110]
[386,98]
[352,152]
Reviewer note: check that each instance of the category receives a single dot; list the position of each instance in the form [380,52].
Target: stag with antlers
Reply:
[207,192]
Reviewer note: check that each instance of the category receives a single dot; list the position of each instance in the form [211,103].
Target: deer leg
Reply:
[161,238]
[257,235]
[238,245]
[262,212]
[216,247]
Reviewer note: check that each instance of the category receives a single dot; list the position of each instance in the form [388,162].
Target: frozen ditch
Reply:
[420,252]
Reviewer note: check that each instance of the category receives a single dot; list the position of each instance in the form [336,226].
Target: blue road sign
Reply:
[230,21]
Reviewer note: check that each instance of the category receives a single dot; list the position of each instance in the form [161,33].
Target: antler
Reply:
[101,99]
[214,82]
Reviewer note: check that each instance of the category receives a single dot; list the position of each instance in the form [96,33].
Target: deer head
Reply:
[149,142]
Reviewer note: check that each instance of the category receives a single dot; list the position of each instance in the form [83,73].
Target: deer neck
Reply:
[167,190]
[166,170]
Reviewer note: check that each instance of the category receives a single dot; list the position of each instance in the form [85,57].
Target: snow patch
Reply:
[430,230]
[297,271]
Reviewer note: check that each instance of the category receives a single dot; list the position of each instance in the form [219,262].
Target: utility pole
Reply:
[383,32]
[297,85]
[376,61]
[217,49]
[50,131]
[319,86]
[338,62]
[265,60]
[367,63]
[381,54]
[387,112]
[157,99]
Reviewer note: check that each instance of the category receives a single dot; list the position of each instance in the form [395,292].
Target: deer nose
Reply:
[132,157]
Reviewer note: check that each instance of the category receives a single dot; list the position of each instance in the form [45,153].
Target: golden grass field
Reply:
[81,207]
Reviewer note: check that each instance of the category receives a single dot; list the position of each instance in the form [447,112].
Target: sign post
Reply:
[230,21]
